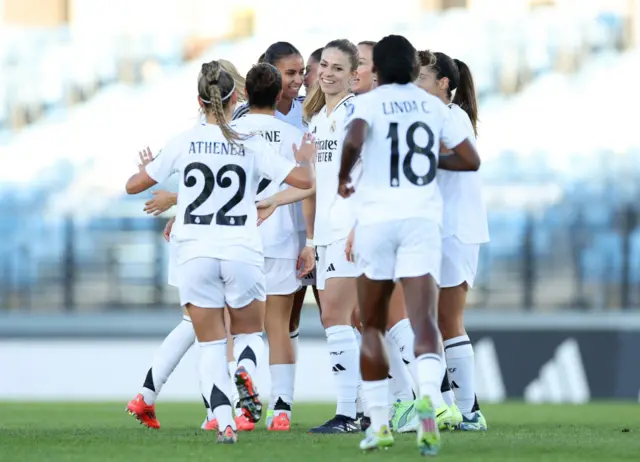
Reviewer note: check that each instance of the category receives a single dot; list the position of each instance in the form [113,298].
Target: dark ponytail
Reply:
[465,95]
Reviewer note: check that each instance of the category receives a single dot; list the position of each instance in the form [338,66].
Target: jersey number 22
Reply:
[210,181]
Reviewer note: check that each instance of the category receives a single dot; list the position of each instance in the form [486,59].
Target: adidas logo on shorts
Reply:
[331,268]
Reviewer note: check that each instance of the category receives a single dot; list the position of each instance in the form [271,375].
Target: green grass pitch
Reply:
[83,432]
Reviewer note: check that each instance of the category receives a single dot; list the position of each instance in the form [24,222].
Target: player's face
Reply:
[334,73]
[292,70]
[310,74]
[427,81]
[364,79]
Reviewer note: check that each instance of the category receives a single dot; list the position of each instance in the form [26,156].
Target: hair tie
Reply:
[222,99]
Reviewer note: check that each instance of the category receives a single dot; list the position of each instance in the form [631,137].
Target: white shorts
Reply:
[281,276]
[459,262]
[309,279]
[399,249]
[331,262]
[211,283]
[172,273]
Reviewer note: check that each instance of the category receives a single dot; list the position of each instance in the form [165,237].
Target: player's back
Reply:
[282,226]
[216,215]
[400,154]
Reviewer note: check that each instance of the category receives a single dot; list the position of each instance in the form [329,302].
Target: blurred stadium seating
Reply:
[561,157]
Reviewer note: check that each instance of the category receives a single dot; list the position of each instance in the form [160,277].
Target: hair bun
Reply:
[211,72]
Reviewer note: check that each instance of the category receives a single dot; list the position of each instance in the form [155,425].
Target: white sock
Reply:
[376,395]
[248,349]
[400,385]
[232,366]
[295,336]
[460,363]
[404,338]
[445,387]
[282,383]
[345,363]
[429,371]
[171,351]
[215,382]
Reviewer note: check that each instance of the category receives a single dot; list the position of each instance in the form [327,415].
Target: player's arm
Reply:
[309,212]
[351,149]
[464,158]
[303,176]
[141,181]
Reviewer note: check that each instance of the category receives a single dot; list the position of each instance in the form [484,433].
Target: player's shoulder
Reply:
[240,111]
[345,106]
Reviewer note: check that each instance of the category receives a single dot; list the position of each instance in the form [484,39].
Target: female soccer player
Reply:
[464,229]
[326,109]
[178,342]
[288,60]
[400,335]
[311,70]
[280,240]
[219,250]
[396,131]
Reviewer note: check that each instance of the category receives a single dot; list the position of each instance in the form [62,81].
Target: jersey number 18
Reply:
[418,180]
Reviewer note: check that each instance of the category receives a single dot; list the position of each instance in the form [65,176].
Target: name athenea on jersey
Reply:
[216,147]
[325,149]
[404,107]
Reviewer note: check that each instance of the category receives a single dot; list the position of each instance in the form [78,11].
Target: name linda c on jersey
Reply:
[404,107]
[216,147]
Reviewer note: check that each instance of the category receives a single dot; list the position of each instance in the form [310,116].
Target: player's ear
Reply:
[279,96]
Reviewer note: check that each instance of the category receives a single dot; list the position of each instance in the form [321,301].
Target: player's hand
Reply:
[266,207]
[345,188]
[146,156]
[168,228]
[161,202]
[306,261]
[307,151]
[348,248]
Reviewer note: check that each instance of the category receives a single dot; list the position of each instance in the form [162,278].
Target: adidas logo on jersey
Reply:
[331,268]
[562,379]
[338,368]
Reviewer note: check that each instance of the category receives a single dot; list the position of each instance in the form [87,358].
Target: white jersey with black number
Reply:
[465,214]
[334,215]
[400,153]
[216,213]
[280,231]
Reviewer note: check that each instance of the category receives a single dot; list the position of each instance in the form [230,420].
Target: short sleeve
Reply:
[165,163]
[453,130]
[270,164]
[359,108]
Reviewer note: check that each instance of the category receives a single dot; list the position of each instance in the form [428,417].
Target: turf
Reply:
[104,432]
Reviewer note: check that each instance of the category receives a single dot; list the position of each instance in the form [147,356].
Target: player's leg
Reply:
[418,267]
[167,357]
[459,264]
[400,340]
[202,292]
[374,250]
[337,285]
[245,293]
[282,284]
[373,297]
[171,351]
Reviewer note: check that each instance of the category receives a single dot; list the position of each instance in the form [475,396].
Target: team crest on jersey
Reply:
[333,126]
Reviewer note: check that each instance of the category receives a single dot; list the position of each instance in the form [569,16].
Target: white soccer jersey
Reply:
[280,232]
[293,117]
[400,153]
[334,215]
[216,213]
[465,214]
